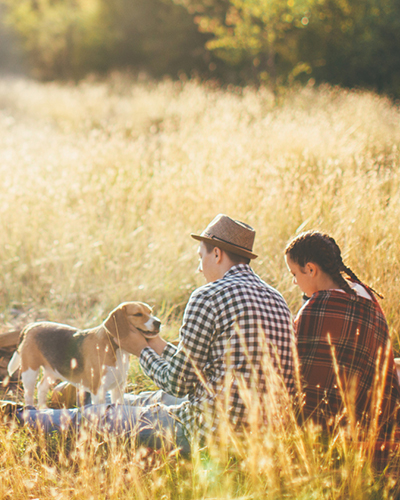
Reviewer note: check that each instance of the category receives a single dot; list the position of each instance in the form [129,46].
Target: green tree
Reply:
[265,32]
[10,56]
[156,36]
[352,43]
[69,38]
[59,37]
[355,43]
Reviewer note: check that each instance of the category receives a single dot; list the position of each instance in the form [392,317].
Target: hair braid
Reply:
[332,263]
[352,275]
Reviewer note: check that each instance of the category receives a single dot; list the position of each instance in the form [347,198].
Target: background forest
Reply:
[350,43]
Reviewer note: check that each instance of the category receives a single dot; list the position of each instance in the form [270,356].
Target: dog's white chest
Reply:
[115,376]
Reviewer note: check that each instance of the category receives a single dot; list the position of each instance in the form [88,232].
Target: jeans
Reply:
[148,417]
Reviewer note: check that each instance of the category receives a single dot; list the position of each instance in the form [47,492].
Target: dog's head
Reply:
[131,316]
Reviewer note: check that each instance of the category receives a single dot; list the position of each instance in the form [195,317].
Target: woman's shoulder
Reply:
[336,303]
[325,300]
[322,297]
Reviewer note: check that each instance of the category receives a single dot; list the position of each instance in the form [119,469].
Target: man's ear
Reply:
[117,323]
[217,254]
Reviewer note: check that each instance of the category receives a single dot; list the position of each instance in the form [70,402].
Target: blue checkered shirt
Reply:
[227,326]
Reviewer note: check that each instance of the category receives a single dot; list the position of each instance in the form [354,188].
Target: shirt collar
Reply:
[238,268]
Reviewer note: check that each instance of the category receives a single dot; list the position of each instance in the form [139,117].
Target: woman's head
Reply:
[313,254]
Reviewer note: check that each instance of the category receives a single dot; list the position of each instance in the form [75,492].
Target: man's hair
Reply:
[234,257]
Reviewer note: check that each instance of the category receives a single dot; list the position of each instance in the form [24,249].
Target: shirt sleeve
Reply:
[180,368]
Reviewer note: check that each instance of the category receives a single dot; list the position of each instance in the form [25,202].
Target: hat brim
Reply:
[226,246]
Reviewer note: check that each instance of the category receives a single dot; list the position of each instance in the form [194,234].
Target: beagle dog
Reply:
[96,359]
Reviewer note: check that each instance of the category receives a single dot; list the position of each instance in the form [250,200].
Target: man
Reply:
[235,328]
[230,326]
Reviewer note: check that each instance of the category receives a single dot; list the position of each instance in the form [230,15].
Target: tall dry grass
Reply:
[279,460]
[102,184]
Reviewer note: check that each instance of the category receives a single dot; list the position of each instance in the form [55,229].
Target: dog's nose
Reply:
[157,324]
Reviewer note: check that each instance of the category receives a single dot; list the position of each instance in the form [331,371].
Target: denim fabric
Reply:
[148,417]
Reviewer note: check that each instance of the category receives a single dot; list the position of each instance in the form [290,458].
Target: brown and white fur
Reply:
[96,360]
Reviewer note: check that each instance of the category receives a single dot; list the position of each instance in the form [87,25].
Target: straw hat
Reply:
[230,235]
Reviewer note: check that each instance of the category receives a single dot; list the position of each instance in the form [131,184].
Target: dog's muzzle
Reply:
[156,324]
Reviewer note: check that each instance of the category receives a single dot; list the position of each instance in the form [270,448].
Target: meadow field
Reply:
[101,185]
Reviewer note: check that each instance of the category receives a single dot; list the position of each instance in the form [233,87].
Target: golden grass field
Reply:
[102,184]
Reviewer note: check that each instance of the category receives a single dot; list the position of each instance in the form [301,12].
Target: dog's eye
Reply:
[138,314]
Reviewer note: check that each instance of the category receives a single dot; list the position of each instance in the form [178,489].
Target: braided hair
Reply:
[322,249]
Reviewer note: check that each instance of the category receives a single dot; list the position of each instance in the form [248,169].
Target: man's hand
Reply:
[133,343]
[157,344]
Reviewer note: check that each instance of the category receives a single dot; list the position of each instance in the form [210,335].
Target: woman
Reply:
[346,359]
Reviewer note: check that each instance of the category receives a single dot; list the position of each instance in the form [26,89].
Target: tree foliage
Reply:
[69,38]
[356,43]
[346,42]
[266,32]
[156,36]
[350,42]
[59,37]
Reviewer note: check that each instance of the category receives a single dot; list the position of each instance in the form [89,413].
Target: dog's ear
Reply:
[117,323]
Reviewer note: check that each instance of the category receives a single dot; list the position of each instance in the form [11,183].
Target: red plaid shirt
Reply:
[353,331]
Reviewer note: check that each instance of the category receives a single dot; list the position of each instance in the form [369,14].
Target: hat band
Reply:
[225,241]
